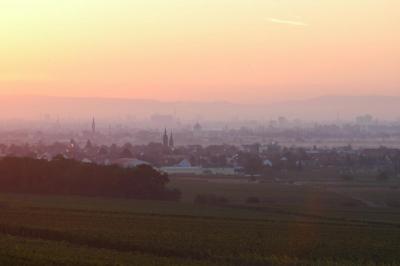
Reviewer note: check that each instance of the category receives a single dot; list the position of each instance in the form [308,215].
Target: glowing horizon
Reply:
[240,51]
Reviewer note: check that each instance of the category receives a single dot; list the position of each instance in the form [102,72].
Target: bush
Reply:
[383,176]
[210,199]
[252,200]
[393,203]
[347,177]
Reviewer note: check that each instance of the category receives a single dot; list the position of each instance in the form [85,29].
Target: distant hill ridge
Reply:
[320,108]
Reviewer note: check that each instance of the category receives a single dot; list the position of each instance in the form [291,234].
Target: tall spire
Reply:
[165,138]
[171,141]
[94,126]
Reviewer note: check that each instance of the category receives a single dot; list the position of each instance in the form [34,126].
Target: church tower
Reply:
[94,126]
[165,138]
[171,141]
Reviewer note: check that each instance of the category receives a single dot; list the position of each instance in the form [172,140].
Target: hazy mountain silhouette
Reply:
[321,108]
[343,107]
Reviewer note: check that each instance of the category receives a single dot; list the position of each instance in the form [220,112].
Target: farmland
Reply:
[292,225]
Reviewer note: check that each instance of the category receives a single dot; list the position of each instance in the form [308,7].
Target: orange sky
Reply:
[234,50]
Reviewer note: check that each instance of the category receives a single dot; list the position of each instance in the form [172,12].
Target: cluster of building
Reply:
[223,159]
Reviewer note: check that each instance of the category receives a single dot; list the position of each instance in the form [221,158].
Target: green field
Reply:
[292,225]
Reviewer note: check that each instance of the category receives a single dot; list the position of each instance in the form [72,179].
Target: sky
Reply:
[245,51]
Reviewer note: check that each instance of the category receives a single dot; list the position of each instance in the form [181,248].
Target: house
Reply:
[86,160]
[267,163]
[184,163]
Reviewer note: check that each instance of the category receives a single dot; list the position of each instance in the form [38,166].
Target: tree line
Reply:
[69,177]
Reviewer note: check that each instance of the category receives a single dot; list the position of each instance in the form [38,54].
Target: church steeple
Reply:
[171,141]
[165,138]
[93,126]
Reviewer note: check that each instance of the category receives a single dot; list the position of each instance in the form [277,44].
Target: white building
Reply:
[129,162]
[186,168]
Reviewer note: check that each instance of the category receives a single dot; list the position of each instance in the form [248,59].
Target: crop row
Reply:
[219,240]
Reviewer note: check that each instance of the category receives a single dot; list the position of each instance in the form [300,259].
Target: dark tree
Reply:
[69,177]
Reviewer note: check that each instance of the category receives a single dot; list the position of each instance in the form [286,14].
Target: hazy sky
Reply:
[234,50]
